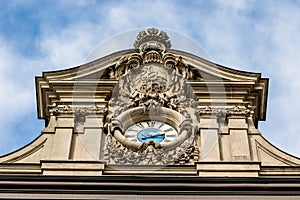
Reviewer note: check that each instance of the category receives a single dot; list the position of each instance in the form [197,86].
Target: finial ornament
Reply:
[152,39]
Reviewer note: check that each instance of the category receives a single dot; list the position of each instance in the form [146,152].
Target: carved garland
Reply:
[116,153]
[151,88]
[153,81]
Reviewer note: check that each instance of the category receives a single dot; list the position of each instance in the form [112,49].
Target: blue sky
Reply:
[250,35]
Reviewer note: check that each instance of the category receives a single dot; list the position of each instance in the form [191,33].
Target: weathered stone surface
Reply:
[214,111]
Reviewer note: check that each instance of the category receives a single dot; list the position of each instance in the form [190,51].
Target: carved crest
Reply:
[154,90]
[152,86]
[152,45]
[152,39]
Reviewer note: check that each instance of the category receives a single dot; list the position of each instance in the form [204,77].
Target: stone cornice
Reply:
[140,186]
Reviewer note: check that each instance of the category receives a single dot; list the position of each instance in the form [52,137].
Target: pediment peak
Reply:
[152,39]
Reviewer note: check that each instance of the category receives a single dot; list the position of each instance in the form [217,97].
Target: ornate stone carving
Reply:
[78,111]
[124,65]
[152,39]
[222,115]
[116,153]
[152,46]
[150,87]
[79,114]
[151,83]
[149,153]
[152,57]
[236,110]
[190,156]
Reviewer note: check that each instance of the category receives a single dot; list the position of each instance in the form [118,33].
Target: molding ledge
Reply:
[228,169]
[72,168]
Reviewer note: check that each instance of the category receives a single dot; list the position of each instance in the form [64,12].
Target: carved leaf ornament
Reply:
[153,88]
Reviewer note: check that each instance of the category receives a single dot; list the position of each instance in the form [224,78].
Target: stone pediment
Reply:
[151,110]
[95,69]
[204,76]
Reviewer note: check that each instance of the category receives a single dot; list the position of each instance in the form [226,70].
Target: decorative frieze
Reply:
[78,111]
[225,112]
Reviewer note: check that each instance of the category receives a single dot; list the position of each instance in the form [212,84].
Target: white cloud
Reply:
[62,47]
[266,36]
[12,93]
[69,47]
[236,4]
[17,97]
[282,28]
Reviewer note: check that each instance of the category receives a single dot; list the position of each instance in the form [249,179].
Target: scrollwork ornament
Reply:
[116,153]
[155,89]
[78,111]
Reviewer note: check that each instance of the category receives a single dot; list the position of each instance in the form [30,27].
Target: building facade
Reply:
[150,122]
